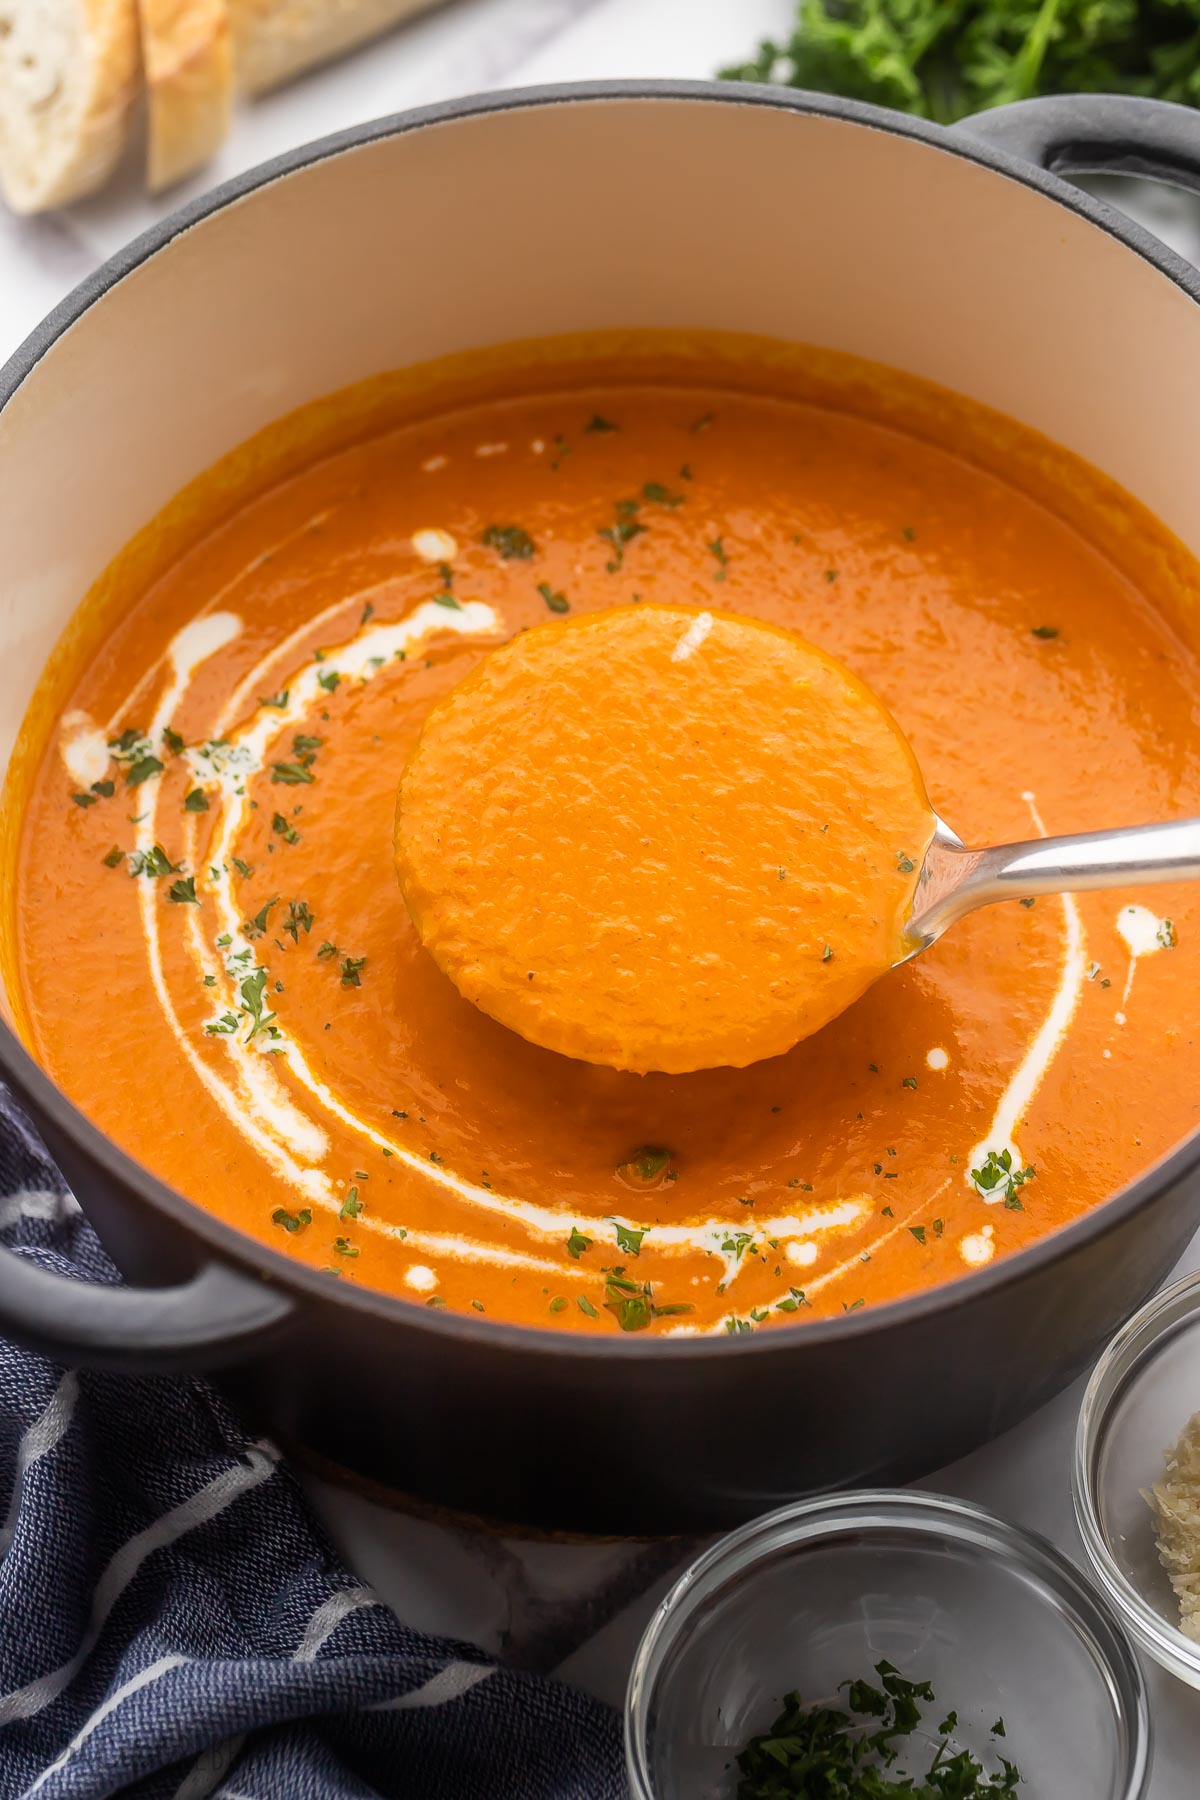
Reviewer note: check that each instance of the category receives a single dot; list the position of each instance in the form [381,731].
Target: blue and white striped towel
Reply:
[174,1625]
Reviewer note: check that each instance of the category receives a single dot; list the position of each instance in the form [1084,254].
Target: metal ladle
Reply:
[955,880]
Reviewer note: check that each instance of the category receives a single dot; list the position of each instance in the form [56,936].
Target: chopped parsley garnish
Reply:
[577,1243]
[84,799]
[658,495]
[1044,631]
[196,801]
[794,1300]
[291,1221]
[628,1239]
[343,1247]
[1165,935]
[646,1164]
[280,700]
[304,750]
[717,547]
[351,1206]
[621,532]
[634,1307]
[997,1176]
[299,919]
[586,1308]
[513,544]
[823,1750]
[918,1232]
[183,892]
[737,1243]
[151,863]
[326,953]
[909,1081]
[904,863]
[256,927]
[827,954]
[114,857]
[106,789]
[224,1026]
[447,600]
[557,602]
[351,968]
[329,679]
[596,423]
[251,990]
[286,831]
[142,770]
[173,741]
[703,422]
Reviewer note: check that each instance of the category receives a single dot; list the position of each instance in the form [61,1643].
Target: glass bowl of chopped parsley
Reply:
[885,1643]
[1137,1476]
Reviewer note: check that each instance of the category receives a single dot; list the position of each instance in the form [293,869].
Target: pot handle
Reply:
[1108,134]
[215,1317]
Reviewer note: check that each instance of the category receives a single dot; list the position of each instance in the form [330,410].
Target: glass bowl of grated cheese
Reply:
[1137,1476]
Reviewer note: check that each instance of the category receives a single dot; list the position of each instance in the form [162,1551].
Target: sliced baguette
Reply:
[187,56]
[276,39]
[69,76]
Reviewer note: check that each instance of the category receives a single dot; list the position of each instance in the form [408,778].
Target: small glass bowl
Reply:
[1142,1393]
[818,1593]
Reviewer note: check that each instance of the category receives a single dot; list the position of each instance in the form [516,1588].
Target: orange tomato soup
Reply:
[722,857]
[215,961]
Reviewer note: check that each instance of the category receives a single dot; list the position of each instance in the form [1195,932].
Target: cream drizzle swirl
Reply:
[251,1095]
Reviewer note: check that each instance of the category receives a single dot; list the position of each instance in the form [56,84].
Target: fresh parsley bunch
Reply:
[943,59]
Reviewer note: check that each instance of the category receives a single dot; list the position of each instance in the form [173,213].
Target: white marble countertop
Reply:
[539,1602]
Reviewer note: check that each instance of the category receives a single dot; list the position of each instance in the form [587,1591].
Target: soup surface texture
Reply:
[724,857]
[216,963]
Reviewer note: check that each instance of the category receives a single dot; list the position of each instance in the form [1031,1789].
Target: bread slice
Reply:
[187,56]
[276,39]
[68,79]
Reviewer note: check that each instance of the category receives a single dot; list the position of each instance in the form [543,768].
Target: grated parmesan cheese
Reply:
[1175,1501]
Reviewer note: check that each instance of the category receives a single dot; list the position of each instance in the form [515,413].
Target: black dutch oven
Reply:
[961,256]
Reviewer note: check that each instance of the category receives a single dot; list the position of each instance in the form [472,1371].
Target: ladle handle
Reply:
[956,880]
